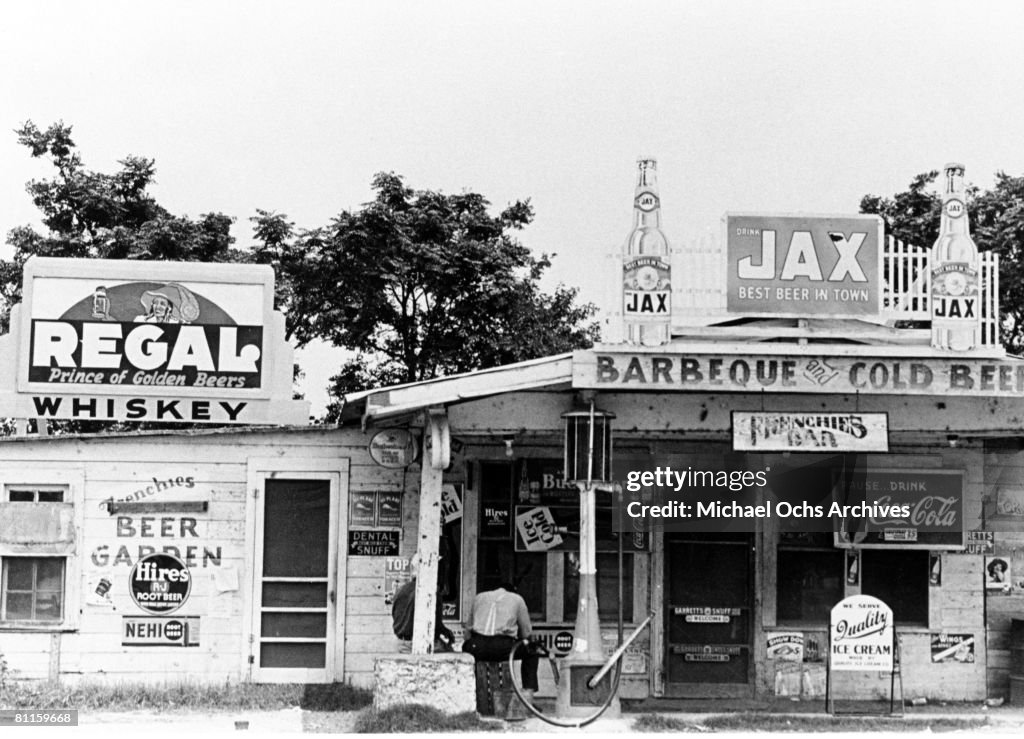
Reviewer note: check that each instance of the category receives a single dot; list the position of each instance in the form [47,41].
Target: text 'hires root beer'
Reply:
[160,584]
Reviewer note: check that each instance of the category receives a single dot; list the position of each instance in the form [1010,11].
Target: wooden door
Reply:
[708,615]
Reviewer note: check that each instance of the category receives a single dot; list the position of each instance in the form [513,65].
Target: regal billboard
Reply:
[804,266]
[149,341]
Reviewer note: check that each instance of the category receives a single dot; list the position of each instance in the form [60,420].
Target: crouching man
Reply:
[403,616]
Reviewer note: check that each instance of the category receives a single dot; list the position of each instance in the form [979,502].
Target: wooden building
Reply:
[294,537]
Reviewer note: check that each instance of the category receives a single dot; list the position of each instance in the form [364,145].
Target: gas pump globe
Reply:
[588,445]
[588,464]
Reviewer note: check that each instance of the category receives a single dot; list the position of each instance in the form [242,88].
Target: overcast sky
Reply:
[293,106]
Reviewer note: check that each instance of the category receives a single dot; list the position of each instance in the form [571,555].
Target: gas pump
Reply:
[584,691]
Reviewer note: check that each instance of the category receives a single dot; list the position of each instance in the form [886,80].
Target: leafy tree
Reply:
[109,216]
[911,216]
[89,214]
[997,224]
[420,284]
[416,283]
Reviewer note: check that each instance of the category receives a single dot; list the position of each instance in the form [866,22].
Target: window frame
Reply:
[923,586]
[809,549]
[19,474]
[36,490]
[539,612]
[629,564]
[553,617]
[5,591]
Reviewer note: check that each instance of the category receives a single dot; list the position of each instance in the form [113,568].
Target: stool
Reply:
[494,690]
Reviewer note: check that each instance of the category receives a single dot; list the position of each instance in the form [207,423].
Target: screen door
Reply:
[295,598]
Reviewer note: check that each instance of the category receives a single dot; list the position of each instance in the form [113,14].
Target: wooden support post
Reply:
[429,531]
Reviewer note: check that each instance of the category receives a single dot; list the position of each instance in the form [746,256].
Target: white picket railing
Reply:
[908,284]
[699,282]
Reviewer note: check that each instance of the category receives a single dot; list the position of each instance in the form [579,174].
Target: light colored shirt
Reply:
[497,612]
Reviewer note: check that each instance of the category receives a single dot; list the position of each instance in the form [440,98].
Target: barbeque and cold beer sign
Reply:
[147,341]
[781,373]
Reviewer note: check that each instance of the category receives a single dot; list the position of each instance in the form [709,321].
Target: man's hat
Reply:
[184,306]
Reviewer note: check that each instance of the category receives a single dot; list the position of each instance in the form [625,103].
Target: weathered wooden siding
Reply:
[1004,472]
[954,607]
[368,633]
[209,468]
[213,468]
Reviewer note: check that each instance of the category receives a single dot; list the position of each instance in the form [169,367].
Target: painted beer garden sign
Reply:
[861,635]
[803,265]
[150,341]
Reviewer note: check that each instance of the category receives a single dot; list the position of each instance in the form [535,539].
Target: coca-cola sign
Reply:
[921,509]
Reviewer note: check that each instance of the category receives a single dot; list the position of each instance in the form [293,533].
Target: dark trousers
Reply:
[496,649]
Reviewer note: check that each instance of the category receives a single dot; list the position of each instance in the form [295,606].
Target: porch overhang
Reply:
[722,368]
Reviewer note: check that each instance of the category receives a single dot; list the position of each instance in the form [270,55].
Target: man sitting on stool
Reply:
[496,621]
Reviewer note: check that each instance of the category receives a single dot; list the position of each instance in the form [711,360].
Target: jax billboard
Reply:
[803,266]
[149,341]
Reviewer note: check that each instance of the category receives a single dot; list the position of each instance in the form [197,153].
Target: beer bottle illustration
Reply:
[852,568]
[956,290]
[100,304]
[524,484]
[646,269]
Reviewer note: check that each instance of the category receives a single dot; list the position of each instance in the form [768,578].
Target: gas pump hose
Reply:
[576,724]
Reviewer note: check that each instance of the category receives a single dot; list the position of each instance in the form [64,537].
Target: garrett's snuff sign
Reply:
[373,543]
[980,542]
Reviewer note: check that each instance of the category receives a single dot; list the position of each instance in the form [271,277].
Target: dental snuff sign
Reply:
[149,341]
[803,265]
[861,635]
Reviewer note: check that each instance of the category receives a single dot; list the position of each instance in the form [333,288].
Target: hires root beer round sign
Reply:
[160,584]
